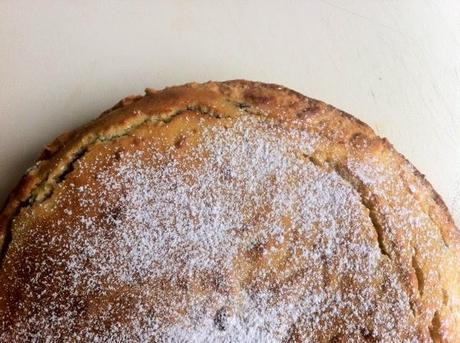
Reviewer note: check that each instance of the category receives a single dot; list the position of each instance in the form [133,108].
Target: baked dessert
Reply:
[227,212]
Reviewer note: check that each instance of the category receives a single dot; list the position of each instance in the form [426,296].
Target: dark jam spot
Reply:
[118,155]
[367,335]
[220,319]
[179,142]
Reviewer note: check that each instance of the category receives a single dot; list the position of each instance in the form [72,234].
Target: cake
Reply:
[230,211]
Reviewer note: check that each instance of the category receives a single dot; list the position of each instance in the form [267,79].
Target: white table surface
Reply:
[395,64]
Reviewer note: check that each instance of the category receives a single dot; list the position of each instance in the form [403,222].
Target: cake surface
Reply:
[227,212]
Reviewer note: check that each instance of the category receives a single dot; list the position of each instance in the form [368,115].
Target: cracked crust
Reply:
[426,256]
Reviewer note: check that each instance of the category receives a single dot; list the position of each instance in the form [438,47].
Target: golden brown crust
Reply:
[426,255]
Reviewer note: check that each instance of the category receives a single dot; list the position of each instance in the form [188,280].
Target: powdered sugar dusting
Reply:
[242,239]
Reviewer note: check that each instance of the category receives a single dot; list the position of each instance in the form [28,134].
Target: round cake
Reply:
[226,212]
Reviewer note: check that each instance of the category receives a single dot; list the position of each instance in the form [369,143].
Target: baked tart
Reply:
[226,212]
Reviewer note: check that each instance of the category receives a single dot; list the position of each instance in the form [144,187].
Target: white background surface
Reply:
[395,64]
